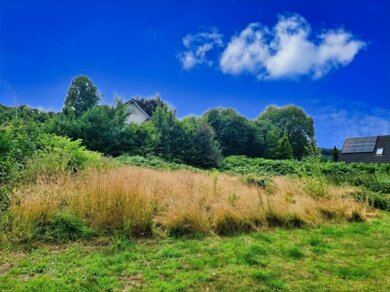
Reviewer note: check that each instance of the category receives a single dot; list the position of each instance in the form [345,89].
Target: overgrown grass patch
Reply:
[276,259]
[352,273]
[269,279]
[294,253]
[255,255]
[65,227]
[139,202]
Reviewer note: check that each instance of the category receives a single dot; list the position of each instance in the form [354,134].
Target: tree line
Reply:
[277,133]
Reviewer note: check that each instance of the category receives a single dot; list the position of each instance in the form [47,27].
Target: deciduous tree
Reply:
[82,96]
[299,126]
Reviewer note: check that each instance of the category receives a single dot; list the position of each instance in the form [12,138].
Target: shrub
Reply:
[17,143]
[316,187]
[308,167]
[57,156]
[65,227]
[259,166]
[27,153]
[8,163]
[317,176]
[376,182]
[376,200]
[152,162]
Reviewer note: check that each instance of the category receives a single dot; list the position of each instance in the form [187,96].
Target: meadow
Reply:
[136,223]
[332,257]
[141,202]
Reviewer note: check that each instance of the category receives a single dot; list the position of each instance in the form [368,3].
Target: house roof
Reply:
[359,144]
[132,101]
[366,149]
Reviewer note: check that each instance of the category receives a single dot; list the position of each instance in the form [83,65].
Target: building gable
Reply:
[137,115]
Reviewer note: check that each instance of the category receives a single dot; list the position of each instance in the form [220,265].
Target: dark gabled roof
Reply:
[364,149]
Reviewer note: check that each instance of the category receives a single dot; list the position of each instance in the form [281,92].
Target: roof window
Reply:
[379,151]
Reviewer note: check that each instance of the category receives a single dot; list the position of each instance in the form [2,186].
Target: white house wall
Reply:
[136,116]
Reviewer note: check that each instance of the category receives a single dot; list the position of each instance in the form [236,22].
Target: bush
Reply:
[379,201]
[316,187]
[59,155]
[17,144]
[78,156]
[152,162]
[66,227]
[336,171]
[259,166]
[8,163]
[374,182]
[27,153]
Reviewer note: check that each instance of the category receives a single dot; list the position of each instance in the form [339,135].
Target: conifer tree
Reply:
[207,148]
[285,150]
[335,154]
[272,143]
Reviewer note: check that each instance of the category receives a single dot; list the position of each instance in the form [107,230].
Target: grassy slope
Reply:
[341,257]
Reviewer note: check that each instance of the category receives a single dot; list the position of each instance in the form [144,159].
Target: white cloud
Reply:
[197,46]
[292,53]
[288,50]
[338,48]
[245,52]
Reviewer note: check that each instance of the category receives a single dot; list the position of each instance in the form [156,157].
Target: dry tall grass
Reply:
[143,202]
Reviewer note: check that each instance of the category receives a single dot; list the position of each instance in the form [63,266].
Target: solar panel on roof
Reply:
[362,144]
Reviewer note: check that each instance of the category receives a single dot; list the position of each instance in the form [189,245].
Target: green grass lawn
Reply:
[339,257]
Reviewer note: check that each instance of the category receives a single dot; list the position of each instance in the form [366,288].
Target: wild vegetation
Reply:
[332,257]
[85,176]
[144,202]
[371,181]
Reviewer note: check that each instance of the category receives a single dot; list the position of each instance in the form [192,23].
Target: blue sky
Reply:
[331,58]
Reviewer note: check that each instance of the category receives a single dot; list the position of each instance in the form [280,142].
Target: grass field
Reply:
[333,257]
[155,226]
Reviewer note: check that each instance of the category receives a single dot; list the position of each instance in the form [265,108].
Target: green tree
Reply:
[235,134]
[207,150]
[82,95]
[299,126]
[335,154]
[165,122]
[273,143]
[138,139]
[185,144]
[284,148]
[313,151]
[100,127]
[257,138]
[24,114]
